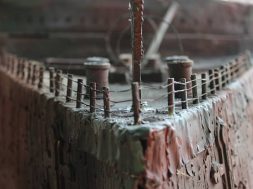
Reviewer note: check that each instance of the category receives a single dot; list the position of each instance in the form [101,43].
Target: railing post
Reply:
[22,68]
[51,79]
[69,88]
[184,99]
[41,77]
[93,94]
[217,79]
[58,82]
[223,76]
[29,69]
[228,74]
[136,102]
[195,95]
[106,98]
[232,70]
[204,86]
[79,93]
[212,82]
[171,96]
[34,73]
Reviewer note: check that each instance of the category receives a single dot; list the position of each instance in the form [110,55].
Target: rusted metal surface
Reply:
[137,8]
[97,70]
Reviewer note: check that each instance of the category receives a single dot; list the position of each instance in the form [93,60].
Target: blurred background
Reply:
[76,29]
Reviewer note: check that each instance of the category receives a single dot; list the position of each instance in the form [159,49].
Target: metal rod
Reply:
[22,61]
[217,79]
[79,93]
[106,98]
[41,77]
[223,76]
[93,94]
[228,74]
[51,79]
[184,94]
[136,102]
[69,88]
[34,73]
[137,8]
[194,89]
[211,81]
[58,82]
[171,97]
[29,69]
[204,85]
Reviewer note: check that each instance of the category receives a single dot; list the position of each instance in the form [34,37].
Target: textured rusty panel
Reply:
[206,148]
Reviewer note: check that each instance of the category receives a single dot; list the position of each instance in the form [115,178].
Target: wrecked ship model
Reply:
[192,131]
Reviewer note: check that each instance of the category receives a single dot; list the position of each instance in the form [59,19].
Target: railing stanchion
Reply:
[69,88]
[93,94]
[106,98]
[136,102]
[79,93]
[204,86]
[184,99]
[51,79]
[171,96]
[195,95]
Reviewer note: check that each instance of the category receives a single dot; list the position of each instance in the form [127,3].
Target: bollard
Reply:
[58,82]
[79,93]
[204,86]
[184,93]
[51,79]
[93,94]
[106,98]
[136,102]
[180,67]
[194,89]
[97,70]
[34,73]
[171,97]
[211,81]
[41,77]
[69,88]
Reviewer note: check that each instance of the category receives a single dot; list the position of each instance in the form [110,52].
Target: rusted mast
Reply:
[137,7]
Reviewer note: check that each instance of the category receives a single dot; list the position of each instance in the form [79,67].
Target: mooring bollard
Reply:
[212,81]
[79,93]
[51,79]
[204,86]
[106,98]
[69,88]
[34,74]
[194,89]
[41,77]
[58,82]
[93,94]
[171,96]
[184,99]
[136,102]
